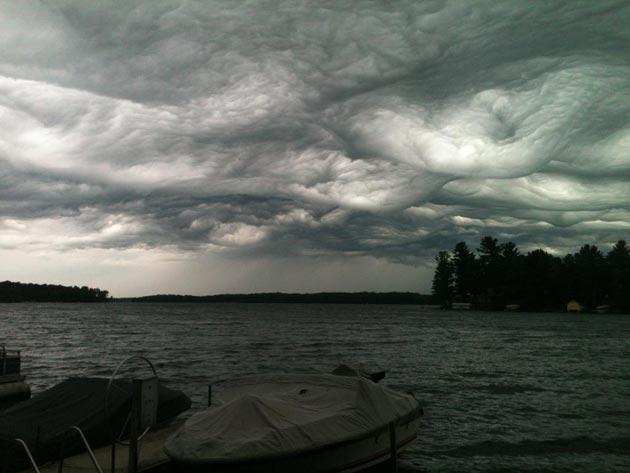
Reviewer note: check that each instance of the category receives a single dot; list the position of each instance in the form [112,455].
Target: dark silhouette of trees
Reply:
[618,263]
[292,298]
[588,276]
[20,292]
[499,275]
[542,282]
[492,270]
[465,273]
[443,279]
[511,269]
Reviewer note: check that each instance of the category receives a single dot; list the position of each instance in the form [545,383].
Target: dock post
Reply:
[62,453]
[134,428]
[37,434]
[209,394]
[393,451]
[113,457]
[6,451]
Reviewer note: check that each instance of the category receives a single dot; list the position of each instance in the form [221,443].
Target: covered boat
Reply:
[44,421]
[291,423]
[13,387]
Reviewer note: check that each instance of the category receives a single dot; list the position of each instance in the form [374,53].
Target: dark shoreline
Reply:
[408,298]
[30,292]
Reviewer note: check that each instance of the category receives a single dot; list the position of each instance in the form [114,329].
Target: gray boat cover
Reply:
[264,417]
[44,421]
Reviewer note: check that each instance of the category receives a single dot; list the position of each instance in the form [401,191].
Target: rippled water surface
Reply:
[501,392]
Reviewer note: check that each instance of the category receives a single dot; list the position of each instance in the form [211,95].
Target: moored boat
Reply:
[13,386]
[290,423]
[462,306]
[44,423]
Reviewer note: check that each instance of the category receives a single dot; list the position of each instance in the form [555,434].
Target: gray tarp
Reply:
[44,421]
[270,416]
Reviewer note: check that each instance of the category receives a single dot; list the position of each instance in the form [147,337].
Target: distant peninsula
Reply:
[27,292]
[294,298]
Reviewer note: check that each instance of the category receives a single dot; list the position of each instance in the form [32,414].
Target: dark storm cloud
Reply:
[384,128]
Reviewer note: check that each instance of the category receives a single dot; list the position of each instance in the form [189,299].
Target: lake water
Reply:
[501,391]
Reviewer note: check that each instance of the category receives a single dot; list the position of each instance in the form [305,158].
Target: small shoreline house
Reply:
[574,306]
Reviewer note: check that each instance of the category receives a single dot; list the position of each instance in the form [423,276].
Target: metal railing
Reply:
[87,447]
[28,454]
[90,452]
[134,418]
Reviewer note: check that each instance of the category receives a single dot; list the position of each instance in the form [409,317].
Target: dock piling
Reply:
[37,435]
[134,426]
[5,463]
[62,453]
[393,450]
[113,457]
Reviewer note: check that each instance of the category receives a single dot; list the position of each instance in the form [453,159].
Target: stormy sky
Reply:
[203,147]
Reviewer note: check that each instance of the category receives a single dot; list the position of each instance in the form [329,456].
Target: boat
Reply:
[351,369]
[283,423]
[13,386]
[462,306]
[46,423]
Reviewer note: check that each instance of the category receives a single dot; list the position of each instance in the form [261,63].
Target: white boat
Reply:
[296,423]
[462,306]
[13,387]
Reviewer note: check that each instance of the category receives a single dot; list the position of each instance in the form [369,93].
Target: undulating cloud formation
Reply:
[366,135]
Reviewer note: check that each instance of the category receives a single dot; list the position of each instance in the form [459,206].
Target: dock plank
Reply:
[152,456]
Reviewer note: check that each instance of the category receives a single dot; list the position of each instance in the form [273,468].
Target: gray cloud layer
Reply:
[389,129]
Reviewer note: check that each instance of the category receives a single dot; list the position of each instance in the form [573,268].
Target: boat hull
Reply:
[13,389]
[347,457]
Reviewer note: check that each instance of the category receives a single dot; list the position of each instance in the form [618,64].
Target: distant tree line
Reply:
[314,298]
[497,274]
[21,292]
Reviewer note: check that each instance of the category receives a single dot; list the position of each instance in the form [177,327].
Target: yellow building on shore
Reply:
[574,306]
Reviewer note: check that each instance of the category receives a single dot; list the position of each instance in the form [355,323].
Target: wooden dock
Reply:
[152,457]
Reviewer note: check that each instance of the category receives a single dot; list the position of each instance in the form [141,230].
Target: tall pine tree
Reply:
[443,280]
[618,261]
[466,273]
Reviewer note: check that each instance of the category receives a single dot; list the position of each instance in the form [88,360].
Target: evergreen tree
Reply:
[589,273]
[618,262]
[511,269]
[443,279]
[543,286]
[490,263]
[466,273]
